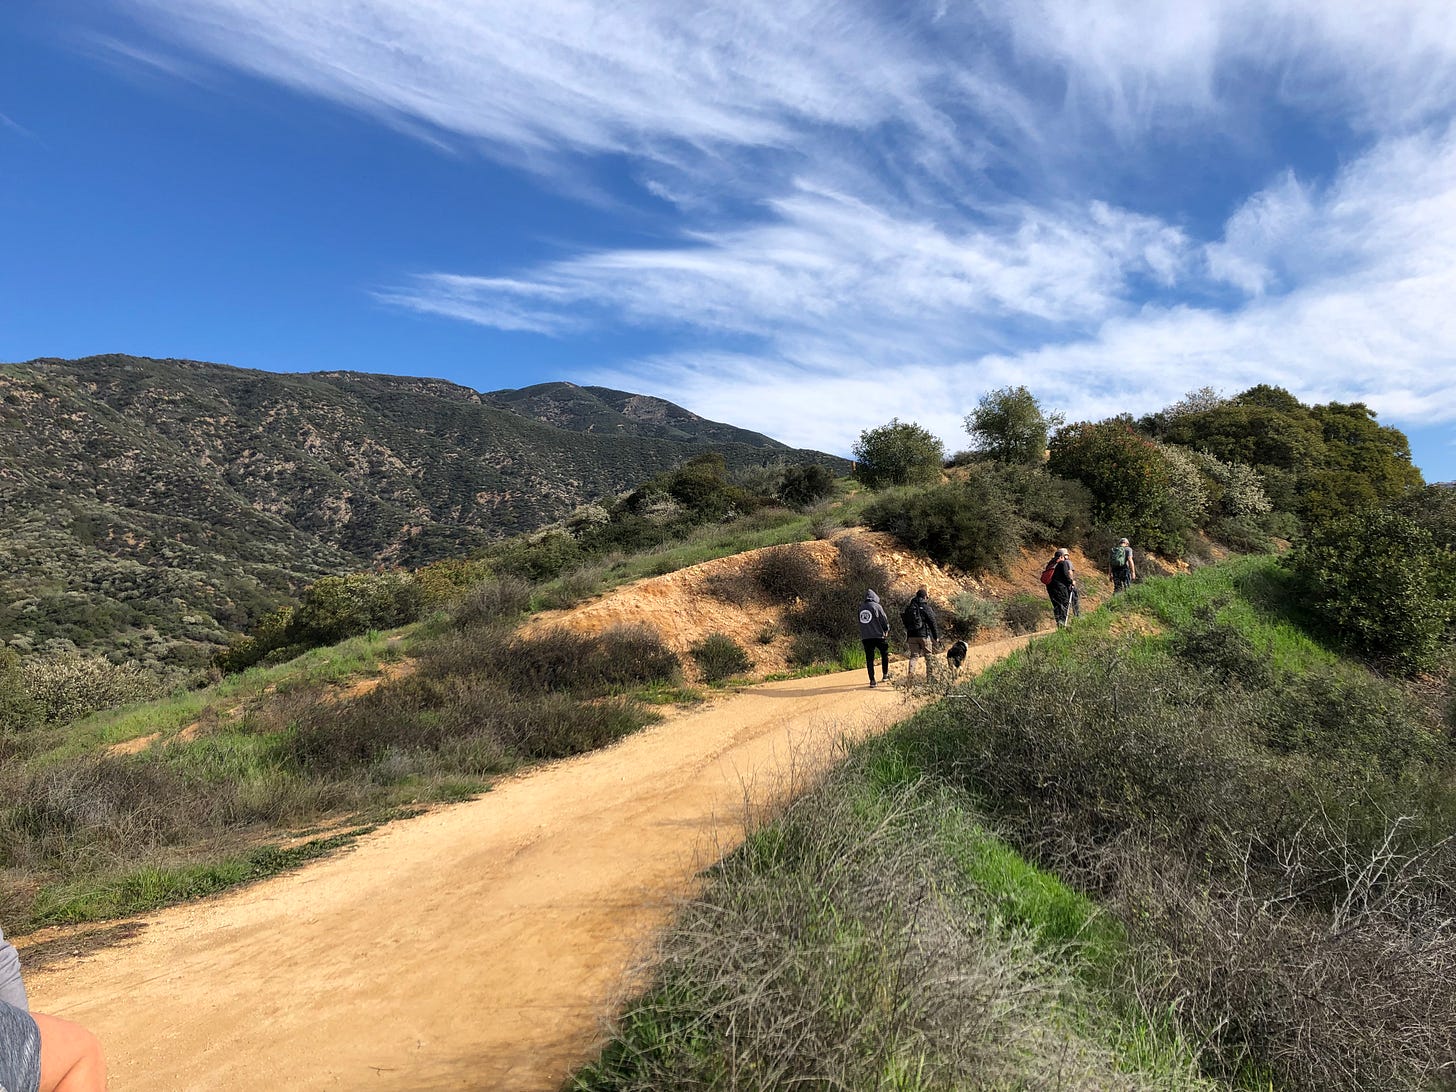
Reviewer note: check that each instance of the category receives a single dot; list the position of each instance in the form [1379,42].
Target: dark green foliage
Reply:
[18,708]
[899,453]
[1221,649]
[968,524]
[1132,484]
[627,532]
[536,557]
[1379,583]
[720,657]
[1009,425]
[1319,461]
[330,610]
[561,660]
[1027,613]
[1434,508]
[337,607]
[781,573]
[1050,510]
[702,487]
[804,485]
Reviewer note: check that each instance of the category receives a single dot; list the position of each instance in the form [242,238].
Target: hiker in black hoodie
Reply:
[874,634]
[921,631]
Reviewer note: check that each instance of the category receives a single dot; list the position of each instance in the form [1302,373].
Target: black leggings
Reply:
[870,644]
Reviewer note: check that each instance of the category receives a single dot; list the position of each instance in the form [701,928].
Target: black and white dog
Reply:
[956,655]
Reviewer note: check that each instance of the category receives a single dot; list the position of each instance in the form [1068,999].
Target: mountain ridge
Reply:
[139,492]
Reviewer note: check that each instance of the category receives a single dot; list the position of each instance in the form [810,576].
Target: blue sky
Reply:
[800,216]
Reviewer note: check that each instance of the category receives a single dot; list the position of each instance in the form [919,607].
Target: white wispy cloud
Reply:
[1349,299]
[574,74]
[825,268]
[929,216]
[1144,63]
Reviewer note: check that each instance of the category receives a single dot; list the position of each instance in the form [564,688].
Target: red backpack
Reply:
[1049,572]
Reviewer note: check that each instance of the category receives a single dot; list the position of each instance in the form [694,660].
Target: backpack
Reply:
[913,616]
[1120,556]
[1049,572]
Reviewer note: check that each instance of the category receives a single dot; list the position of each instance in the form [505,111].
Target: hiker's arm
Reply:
[12,989]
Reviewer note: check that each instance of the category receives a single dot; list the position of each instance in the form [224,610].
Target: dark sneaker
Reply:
[873,684]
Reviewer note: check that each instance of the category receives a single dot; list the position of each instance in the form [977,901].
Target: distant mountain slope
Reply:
[603,410]
[168,501]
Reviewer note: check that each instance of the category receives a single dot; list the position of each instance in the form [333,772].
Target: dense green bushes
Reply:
[1049,510]
[899,453]
[1320,461]
[329,610]
[1009,426]
[979,523]
[967,524]
[1380,583]
[804,485]
[719,657]
[1133,485]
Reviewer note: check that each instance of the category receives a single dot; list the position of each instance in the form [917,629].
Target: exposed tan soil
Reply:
[479,946]
[683,610]
[395,669]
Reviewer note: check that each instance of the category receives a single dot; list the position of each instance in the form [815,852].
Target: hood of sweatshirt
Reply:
[871,597]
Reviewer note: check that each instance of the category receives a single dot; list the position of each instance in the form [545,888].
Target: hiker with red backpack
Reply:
[1123,567]
[1061,585]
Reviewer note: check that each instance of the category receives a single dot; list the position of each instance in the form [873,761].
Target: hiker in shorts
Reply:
[1123,567]
[874,634]
[1062,587]
[40,1053]
[921,631]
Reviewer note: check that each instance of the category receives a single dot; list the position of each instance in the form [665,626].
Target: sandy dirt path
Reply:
[480,946]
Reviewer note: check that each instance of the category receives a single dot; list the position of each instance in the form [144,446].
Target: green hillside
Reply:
[152,506]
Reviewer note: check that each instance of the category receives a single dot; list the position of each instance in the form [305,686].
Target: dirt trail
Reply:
[479,946]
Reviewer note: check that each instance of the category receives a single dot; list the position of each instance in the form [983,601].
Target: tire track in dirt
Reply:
[479,946]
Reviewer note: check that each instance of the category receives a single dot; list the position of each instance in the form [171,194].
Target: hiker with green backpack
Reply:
[1124,569]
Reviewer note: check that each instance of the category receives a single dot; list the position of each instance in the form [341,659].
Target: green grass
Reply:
[669,693]
[831,962]
[138,890]
[1245,593]
[1004,889]
[358,657]
[708,544]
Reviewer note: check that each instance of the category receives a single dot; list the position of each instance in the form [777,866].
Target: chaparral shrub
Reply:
[719,657]
[968,524]
[1379,583]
